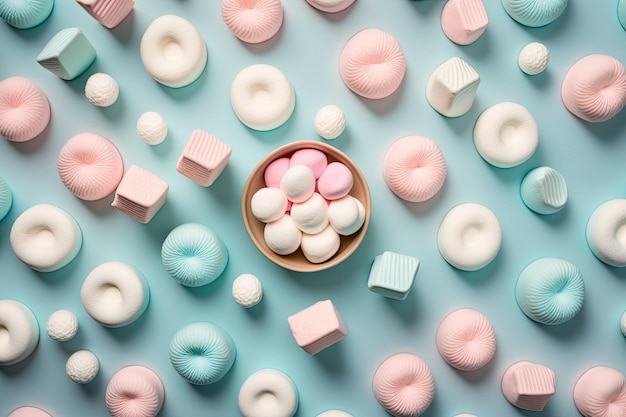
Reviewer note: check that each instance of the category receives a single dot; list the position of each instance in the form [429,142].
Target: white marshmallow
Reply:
[606,232]
[62,325]
[20,332]
[101,90]
[533,58]
[334,413]
[311,216]
[247,290]
[321,246]
[152,128]
[82,366]
[298,183]
[452,87]
[266,393]
[268,204]
[282,236]
[330,122]
[346,215]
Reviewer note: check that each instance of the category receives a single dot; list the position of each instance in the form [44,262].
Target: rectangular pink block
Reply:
[140,194]
[109,13]
[317,327]
[204,158]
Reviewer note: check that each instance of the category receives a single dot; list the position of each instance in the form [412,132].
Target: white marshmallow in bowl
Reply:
[320,247]
[346,215]
[282,236]
[311,216]
[298,183]
[268,204]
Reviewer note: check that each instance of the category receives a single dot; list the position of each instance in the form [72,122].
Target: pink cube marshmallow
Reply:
[140,194]
[317,327]
[109,13]
[204,158]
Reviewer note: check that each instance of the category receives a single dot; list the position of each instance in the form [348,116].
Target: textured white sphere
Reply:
[62,325]
[534,58]
[101,90]
[623,324]
[82,367]
[247,290]
[330,122]
[152,128]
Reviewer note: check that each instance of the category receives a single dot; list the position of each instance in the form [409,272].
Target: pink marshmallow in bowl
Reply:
[335,182]
[275,171]
[313,158]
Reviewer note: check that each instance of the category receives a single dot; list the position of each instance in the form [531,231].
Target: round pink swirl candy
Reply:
[594,88]
[372,64]
[24,109]
[253,21]
[90,166]
[134,391]
[601,392]
[403,385]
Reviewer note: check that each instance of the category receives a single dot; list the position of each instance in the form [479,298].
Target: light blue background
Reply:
[591,158]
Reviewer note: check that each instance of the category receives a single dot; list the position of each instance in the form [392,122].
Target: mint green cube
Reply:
[392,275]
[68,54]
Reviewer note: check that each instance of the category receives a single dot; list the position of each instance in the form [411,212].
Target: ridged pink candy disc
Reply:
[594,88]
[466,340]
[134,391]
[414,168]
[404,385]
[90,166]
[253,21]
[24,109]
[601,392]
[372,64]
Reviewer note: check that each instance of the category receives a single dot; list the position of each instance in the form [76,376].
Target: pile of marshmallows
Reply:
[306,204]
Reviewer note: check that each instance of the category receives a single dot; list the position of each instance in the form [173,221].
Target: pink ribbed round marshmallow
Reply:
[134,391]
[414,168]
[601,392]
[372,64]
[29,412]
[466,340]
[404,385]
[253,21]
[335,182]
[24,109]
[90,166]
[594,88]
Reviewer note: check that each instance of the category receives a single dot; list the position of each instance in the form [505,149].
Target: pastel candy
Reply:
[528,385]
[282,236]
[392,275]
[62,325]
[313,158]
[152,128]
[606,231]
[20,332]
[335,182]
[310,216]
[6,198]
[346,215]
[601,392]
[321,246]
[140,194]
[298,183]
[25,14]
[331,6]
[621,13]
[29,412]
[317,327]
[247,290]
[24,109]
[335,413]
[622,324]
[275,171]
[534,13]
[204,158]
[464,21]
[134,390]
[452,87]
[533,58]
[102,90]
[253,21]
[268,392]
[82,366]
[544,190]
[268,204]
[330,122]
[109,13]
[68,54]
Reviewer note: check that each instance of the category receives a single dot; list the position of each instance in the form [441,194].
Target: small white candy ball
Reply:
[534,58]
[82,367]
[62,325]
[247,290]
[330,122]
[623,324]
[101,90]
[152,128]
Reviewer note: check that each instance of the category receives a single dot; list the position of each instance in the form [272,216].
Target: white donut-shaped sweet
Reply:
[173,51]
[606,232]
[262,97]
[115,294]
[469,236]
[24,109]
[29,412]
[331,6]
[20,332]
[90,166]
[134,391]
[414,168]
[506,135]
[404,385]
[601,392]
[46,238]
[266,393]
[594,88]
[335,413]
[253,21]
[372,64]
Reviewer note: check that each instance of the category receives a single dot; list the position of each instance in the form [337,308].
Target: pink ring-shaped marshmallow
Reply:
[90,166]
[331,6]
[601,392]
[372,64]
[29,412]
[414,168]
[134,391]
[466,340]
[24,109]
[253,21]
[404,385]
[594,88]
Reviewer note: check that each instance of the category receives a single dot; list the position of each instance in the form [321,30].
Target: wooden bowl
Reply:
[296,261]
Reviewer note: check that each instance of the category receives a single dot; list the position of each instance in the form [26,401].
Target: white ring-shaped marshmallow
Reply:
[262,97]
[469,236]
[173,51]
[331,6]
[506,135]
[335,413]
[253,21]
[115,294]
[46,238]
[19,332]
[268,392]
[606,232]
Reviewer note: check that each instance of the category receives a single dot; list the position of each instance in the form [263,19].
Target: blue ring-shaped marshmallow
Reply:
[194,255]
[25,14]
[550,291]
[202,353]
[534,13]
[6,198]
